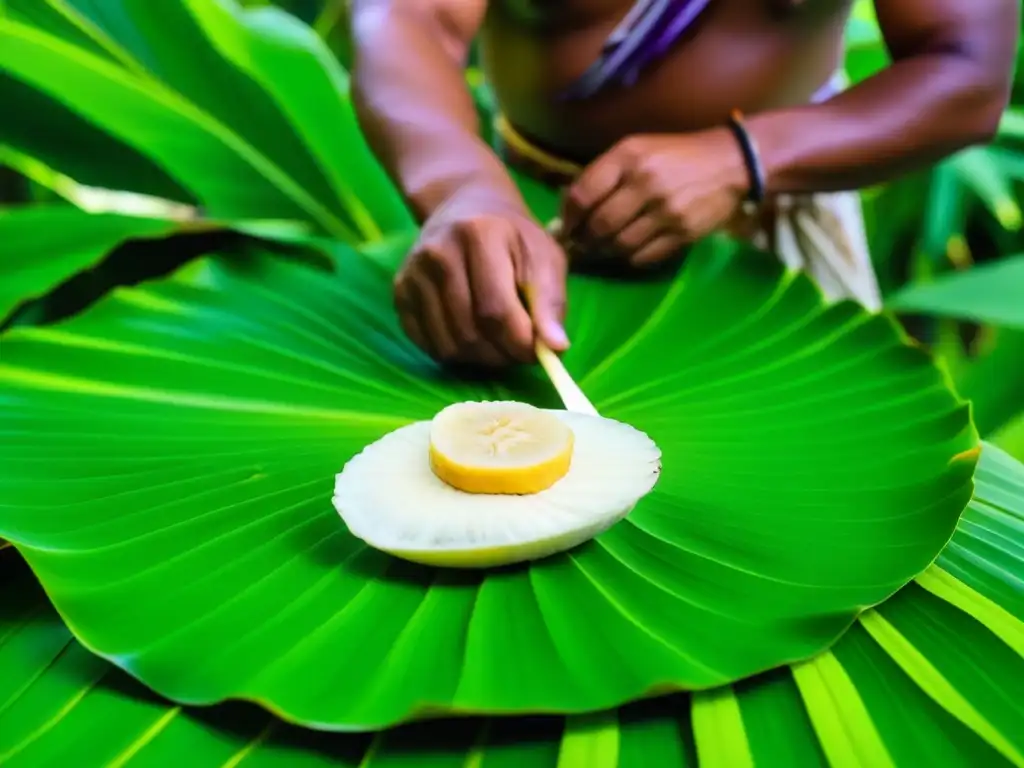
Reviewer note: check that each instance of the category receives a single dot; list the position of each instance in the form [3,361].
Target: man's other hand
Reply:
[650,195]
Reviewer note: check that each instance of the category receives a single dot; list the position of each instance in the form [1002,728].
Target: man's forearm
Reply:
[946,89]
[413,105]
[916,112]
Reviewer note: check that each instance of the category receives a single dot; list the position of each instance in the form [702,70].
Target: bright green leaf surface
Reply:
[42,128]
[277,51]
[776,725]
[52,17]
[184,435]
[994,382]
[61,705]
[945,212]
[948,666]
[989,546]
[235,92]
[168,464]
[228,174]
[42,246]
[981,171]
[1012,123]
[160,29]
[991,293]
[242,69]
[1010,437]
[911,728]
[116,26]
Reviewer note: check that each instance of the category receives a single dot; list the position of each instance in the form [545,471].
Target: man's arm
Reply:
[946,89]
[411,98]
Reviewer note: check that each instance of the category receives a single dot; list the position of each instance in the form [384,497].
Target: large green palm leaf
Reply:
[169,456]
[921,680]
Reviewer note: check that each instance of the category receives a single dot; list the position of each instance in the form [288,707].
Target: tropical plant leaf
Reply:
[242,70]
[45,245]
[945,212]
[1010,437]
[993,382]
[988,549]
[334,24]
[240,141]
[47,132]
[230,177]
[216,407]
[958,633]
[93,199]
[276,51]
[45,16]
[865,52]
[926,673]
[42,246]
[980,171]
[1011,124]
[990,293]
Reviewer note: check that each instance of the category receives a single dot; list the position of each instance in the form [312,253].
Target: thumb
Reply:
[545,297]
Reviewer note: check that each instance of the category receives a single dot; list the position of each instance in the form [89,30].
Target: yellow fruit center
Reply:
[499,448]
[501,436]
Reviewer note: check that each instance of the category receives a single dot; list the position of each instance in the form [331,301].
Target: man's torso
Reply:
[739,54]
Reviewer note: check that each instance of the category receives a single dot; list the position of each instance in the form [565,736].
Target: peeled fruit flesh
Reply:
[402,493]
[499,447]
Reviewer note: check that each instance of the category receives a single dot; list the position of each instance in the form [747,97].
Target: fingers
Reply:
[434,320]
[432,288]
[407,305]
[596,183]
[458,295]
[422,315]
[447,297]
[658,249]
[613,215]
[542,275]
[638,233]
[498,314]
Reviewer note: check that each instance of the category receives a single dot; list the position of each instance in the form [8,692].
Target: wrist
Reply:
[474,177]
[746,169]
[469,201]
[488,192]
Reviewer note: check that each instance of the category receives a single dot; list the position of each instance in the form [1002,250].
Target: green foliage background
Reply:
[209,156]
[965,211]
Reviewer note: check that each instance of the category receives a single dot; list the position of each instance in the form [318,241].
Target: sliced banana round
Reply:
[450,492]
[499,447]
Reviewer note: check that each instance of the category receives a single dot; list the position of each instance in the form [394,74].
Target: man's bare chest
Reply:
[738,54]
[577,14]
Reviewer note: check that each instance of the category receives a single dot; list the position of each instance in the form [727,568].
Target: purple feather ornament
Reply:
[647,33]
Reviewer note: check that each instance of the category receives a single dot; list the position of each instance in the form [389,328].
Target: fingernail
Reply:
[557,334]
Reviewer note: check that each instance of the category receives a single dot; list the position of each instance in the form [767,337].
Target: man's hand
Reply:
[458,295]
[649,195]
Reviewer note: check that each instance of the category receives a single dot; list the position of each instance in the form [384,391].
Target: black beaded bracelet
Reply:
[751,158]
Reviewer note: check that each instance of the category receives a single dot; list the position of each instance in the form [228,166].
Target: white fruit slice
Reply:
[391,498]
[499,447]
